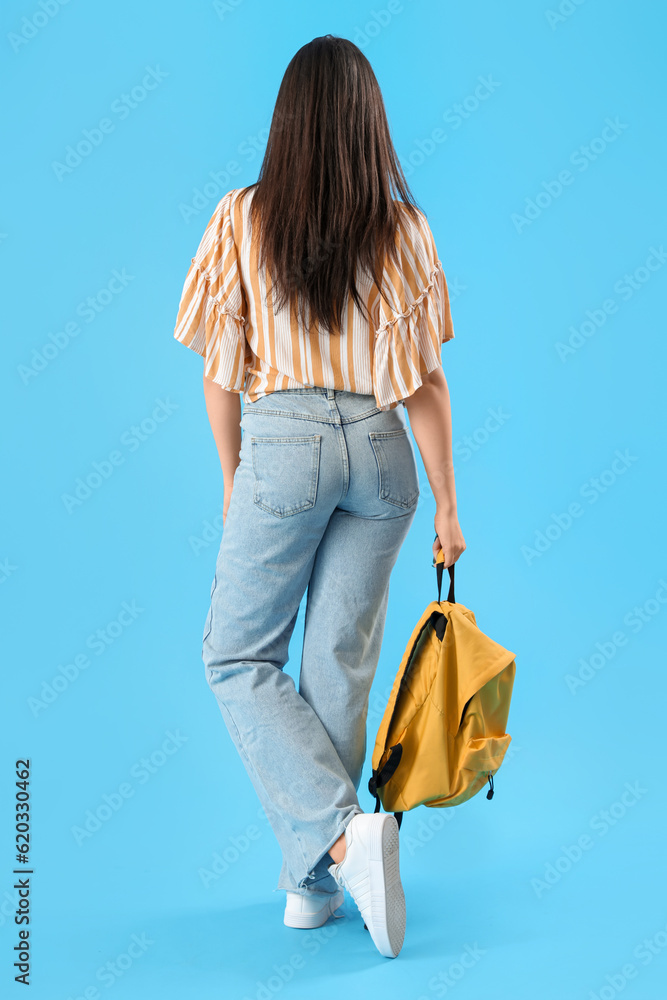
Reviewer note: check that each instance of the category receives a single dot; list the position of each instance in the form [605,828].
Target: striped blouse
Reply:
[225,315]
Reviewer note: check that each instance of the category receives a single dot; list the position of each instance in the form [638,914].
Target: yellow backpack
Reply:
[442,736]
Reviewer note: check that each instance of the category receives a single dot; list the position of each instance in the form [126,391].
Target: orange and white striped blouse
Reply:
[225,315]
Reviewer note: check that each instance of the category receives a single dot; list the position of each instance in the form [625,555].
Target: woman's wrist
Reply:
[447,509]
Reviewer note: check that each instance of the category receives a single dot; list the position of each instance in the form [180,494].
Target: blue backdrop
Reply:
[533,137]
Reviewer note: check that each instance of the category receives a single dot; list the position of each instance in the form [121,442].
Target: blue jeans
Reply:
[323,498]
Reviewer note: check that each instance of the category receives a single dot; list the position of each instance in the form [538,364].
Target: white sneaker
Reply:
[369,871]
[311,909]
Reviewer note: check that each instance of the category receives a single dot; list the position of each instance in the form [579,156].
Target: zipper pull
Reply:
[489,794]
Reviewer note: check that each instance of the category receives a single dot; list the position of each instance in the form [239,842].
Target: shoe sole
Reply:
[387,905]
[307,921]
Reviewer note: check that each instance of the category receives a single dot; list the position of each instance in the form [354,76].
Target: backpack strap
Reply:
[382,776]
[439,563]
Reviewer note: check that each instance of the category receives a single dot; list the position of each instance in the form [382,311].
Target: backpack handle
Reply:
[438,562]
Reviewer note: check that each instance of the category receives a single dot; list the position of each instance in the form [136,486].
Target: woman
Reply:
[321,299]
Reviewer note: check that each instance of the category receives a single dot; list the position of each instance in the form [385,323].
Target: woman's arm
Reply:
[430,416]
[224,413]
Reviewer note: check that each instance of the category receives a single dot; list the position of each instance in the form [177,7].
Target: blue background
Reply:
[502,877]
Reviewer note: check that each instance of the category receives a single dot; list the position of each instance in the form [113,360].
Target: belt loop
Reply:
[331,393]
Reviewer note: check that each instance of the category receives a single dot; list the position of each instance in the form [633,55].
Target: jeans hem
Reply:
[302,886]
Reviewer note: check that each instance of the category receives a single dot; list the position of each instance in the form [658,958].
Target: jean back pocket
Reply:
[398,479]
[286,471]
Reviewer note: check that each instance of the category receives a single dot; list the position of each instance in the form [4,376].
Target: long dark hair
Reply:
[323,201]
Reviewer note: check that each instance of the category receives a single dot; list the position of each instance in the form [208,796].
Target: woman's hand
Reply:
[450,538]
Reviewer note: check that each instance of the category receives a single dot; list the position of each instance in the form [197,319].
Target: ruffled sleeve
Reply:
[212,314]
[414,320]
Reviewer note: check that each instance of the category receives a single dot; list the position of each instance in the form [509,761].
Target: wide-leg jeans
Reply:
[322,500]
